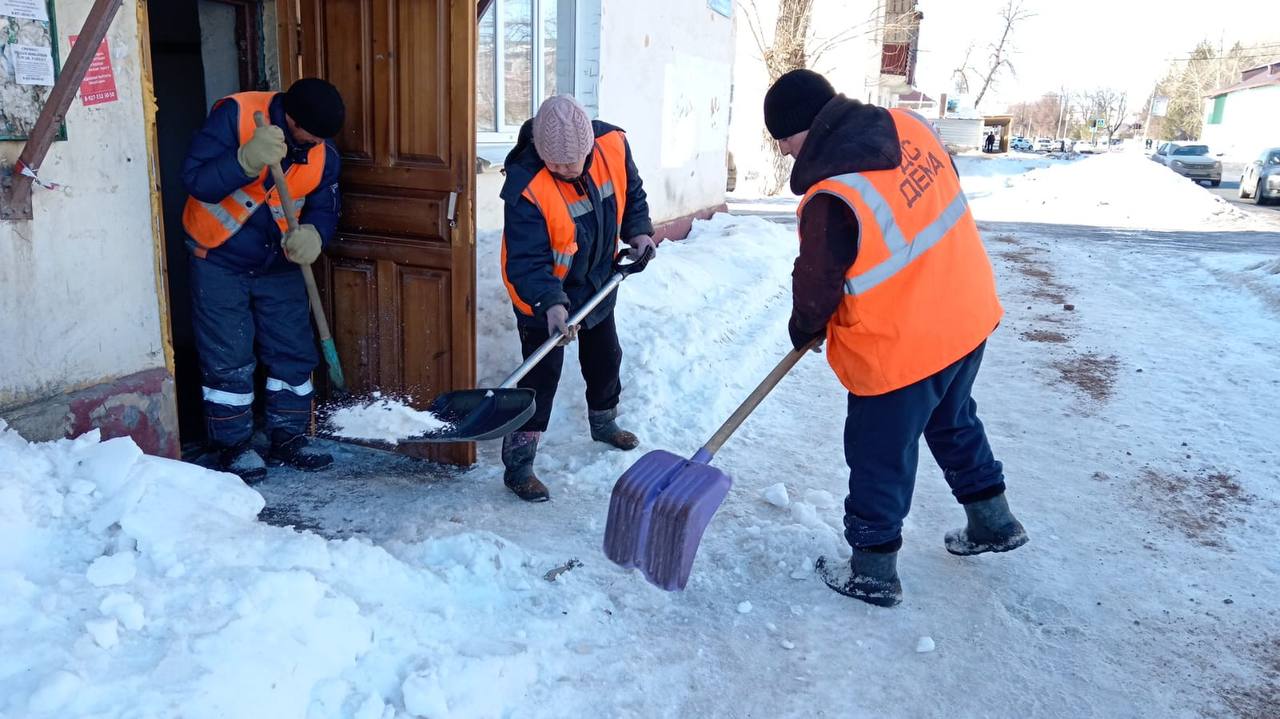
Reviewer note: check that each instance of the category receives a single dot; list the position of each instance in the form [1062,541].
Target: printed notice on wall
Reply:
[25,9]
[28,65]
[99,84]
[32,65]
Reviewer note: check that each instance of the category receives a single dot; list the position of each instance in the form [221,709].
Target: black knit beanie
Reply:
[316,106]
[794,101]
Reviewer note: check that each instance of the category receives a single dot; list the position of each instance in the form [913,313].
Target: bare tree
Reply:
[960,75]
[1012,14]
[794,44]
[1110,106]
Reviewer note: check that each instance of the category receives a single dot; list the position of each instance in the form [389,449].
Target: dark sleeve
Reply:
[828,247]
[211,170]
[528,262]
[325,203]
[635,220]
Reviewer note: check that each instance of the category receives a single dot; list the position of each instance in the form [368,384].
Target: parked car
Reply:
[1044,144]
[1084,146]
[1190,160]
[1021,144]
[1261,178]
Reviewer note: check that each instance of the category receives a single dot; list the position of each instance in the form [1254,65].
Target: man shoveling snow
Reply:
[892,272]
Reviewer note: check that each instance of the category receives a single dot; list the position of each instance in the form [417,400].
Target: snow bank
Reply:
[1110,190]
[133,581]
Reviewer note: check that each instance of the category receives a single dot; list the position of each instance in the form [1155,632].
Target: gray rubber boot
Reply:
[518,452]
[605,429]
[243,461]
[991,528]
[869,576]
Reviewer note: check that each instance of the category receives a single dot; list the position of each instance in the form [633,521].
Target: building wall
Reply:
[1248,124]
[80,304]
[665,74]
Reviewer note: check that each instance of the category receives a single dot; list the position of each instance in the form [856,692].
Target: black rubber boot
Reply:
[991,528]
[243,461]
[295,451]
[518,452]
[605,429]
[869,576]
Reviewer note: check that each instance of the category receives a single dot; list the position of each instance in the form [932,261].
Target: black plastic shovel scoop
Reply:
[472,415]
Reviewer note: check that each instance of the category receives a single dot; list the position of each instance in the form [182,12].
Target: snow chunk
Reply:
[104,632]
[744,608]
[125,609]
[55,692]
[925,645]
[115,569]
[384,420]
[776,495]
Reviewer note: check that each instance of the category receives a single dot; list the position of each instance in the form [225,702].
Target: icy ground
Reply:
[1132,393]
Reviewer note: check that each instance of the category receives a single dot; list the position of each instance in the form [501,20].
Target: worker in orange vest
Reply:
[249,302]
[893,276]
[572,194]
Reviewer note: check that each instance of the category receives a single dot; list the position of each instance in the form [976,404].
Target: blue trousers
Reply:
[240,318]
[882,447]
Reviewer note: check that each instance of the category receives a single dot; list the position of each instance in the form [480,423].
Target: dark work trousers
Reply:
[600,357]
[882,446]
[234,314]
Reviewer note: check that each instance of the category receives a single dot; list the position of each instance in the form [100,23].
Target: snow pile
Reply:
[1110,190]
[1259,273]
[383,419]
[133,581]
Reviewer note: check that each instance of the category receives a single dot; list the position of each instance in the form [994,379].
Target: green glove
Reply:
[302,245]
[266,147]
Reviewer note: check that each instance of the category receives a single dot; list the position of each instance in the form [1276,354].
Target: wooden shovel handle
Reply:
[290,215]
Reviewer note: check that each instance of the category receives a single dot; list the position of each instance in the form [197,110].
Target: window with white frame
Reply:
[509,83]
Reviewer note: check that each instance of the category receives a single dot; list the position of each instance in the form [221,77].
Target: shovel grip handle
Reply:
[753,400]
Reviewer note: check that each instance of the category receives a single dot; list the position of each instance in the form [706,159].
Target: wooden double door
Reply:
[400,281]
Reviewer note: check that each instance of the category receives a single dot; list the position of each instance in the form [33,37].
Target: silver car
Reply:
[1261,178]
[1190,160]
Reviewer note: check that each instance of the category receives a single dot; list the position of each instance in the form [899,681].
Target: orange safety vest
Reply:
[212,223]
[921,293]
[561,204]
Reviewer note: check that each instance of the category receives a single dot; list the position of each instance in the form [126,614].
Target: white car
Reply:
[1084,146]
[1022,144]
[1190,159]
[1043,144]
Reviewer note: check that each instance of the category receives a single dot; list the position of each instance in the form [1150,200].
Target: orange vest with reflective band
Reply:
[211,224]
[561,205]
[921,293]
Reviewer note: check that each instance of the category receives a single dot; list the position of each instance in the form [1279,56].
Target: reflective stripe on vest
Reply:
[561,206]
[212,223]
[920,294]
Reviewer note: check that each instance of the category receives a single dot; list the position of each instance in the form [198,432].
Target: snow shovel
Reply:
[474,415]
[337,382]
[662,505]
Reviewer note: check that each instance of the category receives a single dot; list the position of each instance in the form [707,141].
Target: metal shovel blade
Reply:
[473,415]
[658,512]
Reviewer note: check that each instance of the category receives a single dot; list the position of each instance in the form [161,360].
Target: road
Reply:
[1230,187]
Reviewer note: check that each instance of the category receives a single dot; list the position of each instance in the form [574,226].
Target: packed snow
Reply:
[383,419]
[1137,432]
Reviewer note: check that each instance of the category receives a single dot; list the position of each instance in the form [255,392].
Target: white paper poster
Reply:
[32,65]
[29,9]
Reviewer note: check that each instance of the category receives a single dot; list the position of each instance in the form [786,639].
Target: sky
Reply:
[1123,44]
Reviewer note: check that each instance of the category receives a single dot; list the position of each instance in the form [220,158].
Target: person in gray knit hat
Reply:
[571,195]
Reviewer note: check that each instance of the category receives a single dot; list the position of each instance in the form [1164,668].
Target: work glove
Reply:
[639,243]
[557,319]
[302,245]
[266,147]
[799,338]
